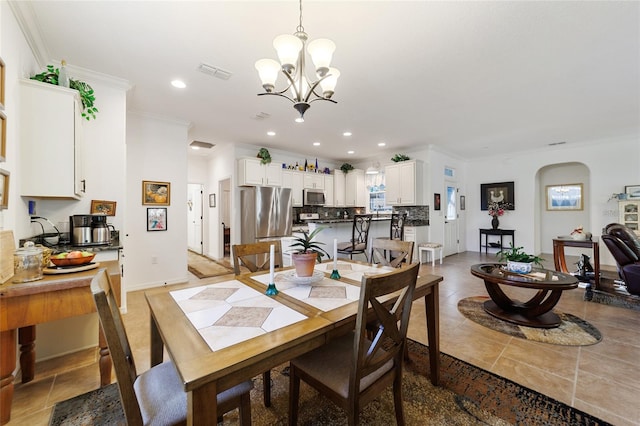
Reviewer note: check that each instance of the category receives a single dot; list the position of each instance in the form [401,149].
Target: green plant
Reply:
[399,157]
[307,244]
[87,96]
[517,254]
[265,157]
[346,167]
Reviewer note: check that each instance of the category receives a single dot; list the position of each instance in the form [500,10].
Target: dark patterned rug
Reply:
[467,396]
[573,331]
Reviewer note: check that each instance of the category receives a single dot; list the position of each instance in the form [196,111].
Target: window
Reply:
[376,193]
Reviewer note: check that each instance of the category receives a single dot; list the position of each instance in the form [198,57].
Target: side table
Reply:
[499,232]
[560,262]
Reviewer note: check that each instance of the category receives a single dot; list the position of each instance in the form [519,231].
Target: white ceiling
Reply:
[472,78]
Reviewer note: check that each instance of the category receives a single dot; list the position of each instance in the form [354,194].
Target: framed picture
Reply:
[633,192]
[564,197]
[156,219]
[463,204]
[212,200]
[103,207]
[2,72]
[3,136]
[501,192]
[4,189]
[436,201]
[156,193]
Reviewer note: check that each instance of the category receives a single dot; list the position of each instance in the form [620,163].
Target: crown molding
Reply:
[28,23]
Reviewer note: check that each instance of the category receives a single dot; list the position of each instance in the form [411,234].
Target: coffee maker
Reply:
[100,233]
[80,229]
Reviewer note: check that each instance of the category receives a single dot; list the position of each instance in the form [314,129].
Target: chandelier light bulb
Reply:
[329,83]
[321,51]
[268,70]
[288,47]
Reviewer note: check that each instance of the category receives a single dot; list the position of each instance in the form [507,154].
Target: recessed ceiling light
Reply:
[347,134]
[316,144]
[382,144]
[351,152]
[271,133]
[179,84]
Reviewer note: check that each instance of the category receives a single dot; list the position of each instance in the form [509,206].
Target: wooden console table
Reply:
[499,232]
[560,262]
[24,305]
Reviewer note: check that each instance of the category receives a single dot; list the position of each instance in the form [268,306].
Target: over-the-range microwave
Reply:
[313,197]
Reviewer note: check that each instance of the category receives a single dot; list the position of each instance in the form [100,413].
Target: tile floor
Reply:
[603,379]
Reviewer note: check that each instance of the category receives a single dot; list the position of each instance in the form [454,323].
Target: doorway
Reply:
[450,220]
[194,217]
[224,189]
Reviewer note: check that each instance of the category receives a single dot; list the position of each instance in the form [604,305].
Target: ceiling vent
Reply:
[557,143]
[215,71]
[198,145]
[261,116]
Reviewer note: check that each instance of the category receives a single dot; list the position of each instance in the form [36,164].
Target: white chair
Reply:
[430,248]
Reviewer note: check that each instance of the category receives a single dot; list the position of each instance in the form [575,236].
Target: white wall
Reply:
[156,151]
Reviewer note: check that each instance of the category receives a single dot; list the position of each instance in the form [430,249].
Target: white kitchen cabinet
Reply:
[328,191]
[338,188]
[252,173]
[354,190]
[51,141]
[417,234]
[293,180]
[630,215]
[401,181]
[313,181]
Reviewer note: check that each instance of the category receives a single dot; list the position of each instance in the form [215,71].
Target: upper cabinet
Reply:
[328,191]
[401,181]
[252,173]
[51,141]
[630,215]
[292,179]
[314,181]
[338,188]
[354,189]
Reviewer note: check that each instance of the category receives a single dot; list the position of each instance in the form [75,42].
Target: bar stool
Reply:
[430,248]
[359,237]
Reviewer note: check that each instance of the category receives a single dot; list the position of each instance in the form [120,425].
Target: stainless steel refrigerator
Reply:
[266,212]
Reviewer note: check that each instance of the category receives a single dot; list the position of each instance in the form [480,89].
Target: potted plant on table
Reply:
[517,260]
[310,252]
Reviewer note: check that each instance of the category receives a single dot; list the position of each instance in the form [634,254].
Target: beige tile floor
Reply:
[603,379]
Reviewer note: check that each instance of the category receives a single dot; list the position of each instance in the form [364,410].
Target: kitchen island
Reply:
[23,305]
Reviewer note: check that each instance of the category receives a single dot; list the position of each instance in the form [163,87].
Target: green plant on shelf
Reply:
[399,157]
[346,167]
[86,92]
[517,254]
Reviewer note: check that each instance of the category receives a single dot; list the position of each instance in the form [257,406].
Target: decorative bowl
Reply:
[519,267]
[74,261]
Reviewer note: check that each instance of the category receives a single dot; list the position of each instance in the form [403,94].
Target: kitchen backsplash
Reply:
[416,215]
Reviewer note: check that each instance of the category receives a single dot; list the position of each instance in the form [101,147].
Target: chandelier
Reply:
[290,50]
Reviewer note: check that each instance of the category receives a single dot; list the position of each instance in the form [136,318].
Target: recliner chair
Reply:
[624,245]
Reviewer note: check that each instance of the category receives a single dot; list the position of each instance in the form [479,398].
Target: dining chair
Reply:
[249,256]
[157,396]
[359,237]
[368,366]
[396,230]
[391,252]
[252,256]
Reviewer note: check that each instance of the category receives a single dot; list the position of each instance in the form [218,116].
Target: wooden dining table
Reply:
[201,330]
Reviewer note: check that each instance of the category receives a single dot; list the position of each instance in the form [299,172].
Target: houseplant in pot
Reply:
[517,260]
[309,252]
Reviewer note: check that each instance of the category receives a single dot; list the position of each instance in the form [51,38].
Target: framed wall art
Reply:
[156,193]
[501,192]
[436,201]
[103,207]
[564,197]
[156,219]
[3,136]
[4,189]
[633,192]
[2,72]
[212,200]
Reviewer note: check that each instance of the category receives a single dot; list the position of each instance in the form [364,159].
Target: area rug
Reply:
[467,396]
[572,331]
[203,267]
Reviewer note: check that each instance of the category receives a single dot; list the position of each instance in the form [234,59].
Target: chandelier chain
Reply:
[300,28]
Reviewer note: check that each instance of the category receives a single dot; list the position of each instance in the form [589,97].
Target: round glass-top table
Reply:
[535,312]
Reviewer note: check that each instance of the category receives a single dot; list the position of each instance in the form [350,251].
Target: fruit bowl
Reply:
[72,261]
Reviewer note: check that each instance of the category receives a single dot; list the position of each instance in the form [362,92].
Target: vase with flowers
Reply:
[497,209]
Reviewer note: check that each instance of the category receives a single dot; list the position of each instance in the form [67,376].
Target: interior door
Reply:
[194,217]
[450,221]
